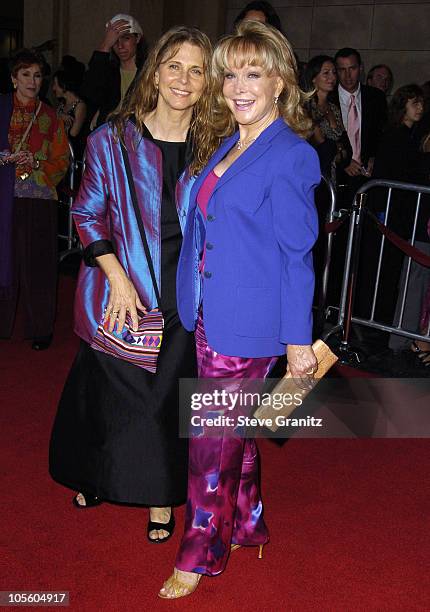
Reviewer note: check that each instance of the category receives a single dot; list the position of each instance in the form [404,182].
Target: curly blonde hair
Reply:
[258,44]
[144,95]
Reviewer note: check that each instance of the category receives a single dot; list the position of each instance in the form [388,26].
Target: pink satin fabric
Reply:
[224,503]
[203,198]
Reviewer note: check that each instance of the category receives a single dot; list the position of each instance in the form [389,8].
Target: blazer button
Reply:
[210,218]
[209,246]
[208,274]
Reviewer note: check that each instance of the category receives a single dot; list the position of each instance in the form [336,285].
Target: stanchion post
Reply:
[329,246]
[350,277]
[71,187]
[70,250]
[345,278]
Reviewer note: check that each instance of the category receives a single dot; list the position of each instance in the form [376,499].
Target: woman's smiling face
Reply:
[28,82]
[180,79]
[250,93]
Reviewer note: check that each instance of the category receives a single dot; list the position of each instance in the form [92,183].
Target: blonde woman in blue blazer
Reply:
[245,280]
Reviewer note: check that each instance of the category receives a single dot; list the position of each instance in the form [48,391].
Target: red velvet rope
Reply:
[403,245]
[334,225]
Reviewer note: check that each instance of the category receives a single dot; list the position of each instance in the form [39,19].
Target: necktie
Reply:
[353,129]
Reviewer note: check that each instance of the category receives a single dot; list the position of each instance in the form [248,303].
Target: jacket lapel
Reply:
[248,157]
[214,160]
[364,122]
[253,152]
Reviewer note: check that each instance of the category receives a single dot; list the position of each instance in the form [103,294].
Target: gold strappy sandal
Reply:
[234,547]
[180,588]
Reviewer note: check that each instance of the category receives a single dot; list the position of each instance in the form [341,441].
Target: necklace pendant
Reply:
[241,144]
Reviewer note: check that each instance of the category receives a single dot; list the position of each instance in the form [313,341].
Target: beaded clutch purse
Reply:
[287,385]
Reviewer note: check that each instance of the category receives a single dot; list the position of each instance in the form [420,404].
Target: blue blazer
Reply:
[258,281]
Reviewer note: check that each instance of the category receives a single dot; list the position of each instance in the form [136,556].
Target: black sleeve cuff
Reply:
[96,249]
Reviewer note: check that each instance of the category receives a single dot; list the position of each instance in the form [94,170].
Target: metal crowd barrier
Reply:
[353,252]
[333,219]
[331,215]
[73,245]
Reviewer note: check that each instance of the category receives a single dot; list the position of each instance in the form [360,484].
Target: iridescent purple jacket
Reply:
[106,222]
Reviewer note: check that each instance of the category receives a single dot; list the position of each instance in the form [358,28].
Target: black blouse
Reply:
[174,161]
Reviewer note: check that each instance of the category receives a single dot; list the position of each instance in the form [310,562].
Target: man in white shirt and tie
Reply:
[364,112]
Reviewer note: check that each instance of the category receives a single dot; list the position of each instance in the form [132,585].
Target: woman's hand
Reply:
[318,136]
[302,364]
[341,154]
[24,158]
[123,297]
[114,30]
[354,168]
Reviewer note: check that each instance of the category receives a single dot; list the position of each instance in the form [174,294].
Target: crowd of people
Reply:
[197,203]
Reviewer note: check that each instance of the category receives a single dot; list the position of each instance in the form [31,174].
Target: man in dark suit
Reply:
[364,113]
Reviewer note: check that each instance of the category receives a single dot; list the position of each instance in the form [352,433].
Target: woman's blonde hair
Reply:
[144,95]
[258,44]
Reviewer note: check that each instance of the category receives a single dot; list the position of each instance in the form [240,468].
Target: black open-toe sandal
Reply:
[90,501]
[423,356]
[169,527]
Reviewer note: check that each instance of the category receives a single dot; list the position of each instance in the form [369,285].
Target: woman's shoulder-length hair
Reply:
[258,44]
[142,99]
[397,107]
[312,70]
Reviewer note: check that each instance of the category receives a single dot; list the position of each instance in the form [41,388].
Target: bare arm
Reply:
[80,115]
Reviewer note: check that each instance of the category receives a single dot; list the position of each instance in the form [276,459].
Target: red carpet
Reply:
[349,519]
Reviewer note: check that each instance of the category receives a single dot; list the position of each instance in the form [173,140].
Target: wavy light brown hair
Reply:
[144,95]
[258,44]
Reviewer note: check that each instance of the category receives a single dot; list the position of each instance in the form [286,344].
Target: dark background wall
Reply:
[393,32]
[11,21]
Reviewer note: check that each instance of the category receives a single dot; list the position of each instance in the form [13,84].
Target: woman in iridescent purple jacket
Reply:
[115,437]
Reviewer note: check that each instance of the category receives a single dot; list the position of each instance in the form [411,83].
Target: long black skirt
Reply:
[116,430]
[34,272]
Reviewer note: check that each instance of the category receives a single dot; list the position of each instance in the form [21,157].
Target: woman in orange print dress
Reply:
[34,158]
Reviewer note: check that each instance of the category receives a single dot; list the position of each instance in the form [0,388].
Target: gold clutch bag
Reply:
[287,386]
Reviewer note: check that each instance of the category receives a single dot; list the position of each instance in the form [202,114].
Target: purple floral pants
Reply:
[224,504]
